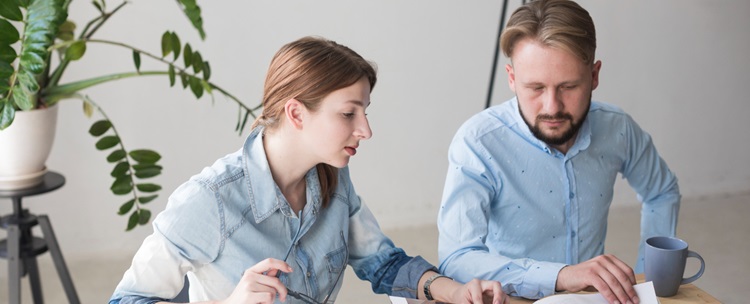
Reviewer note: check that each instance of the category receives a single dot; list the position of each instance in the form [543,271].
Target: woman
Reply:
[279,219]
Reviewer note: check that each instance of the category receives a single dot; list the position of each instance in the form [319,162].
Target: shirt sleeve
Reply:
[180,241]
[463,224]
[375,258]
[655,185]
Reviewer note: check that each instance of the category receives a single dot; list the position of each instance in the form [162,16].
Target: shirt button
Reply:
[309,274]
[572,195]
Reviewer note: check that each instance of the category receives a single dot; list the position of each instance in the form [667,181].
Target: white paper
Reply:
[645,292]
[397,300]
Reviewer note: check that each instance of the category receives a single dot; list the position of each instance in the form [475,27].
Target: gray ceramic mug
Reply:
[665,264]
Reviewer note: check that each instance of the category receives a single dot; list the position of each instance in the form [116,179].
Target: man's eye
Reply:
[348,115]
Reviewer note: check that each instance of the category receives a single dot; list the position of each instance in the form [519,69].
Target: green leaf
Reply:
[126,207]
[197,62]
[206,71]
[5,71]
[99,127]
[76,50]
[23,3]
[147,172]
[193,12]
[145,156]
[8,33]
[121,169]
[137,60]
[132,221]
[187,55]
[88,108]
[175,45]
[148,187]
[24,99]
[144,215]
[166,44]
[4,88]
[146,199]
[7,53]
[9,9]
[98,6]
[116,155]
[122,185]
[107,142]
[184,80]
[33,62]
[196,87]
[171,75]
[66,31]
[7,113]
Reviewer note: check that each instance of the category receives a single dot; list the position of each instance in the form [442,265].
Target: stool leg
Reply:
[54,249]
[14,264]
[32,268]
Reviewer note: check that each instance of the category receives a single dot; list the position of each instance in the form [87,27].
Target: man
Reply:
[531,180]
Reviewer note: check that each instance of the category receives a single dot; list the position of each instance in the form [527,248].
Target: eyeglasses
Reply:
[308,299]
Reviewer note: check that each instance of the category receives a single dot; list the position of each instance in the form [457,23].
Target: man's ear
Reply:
[511,77]
[294,111]
[595,74]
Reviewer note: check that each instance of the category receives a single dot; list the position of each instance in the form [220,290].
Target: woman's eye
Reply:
[348,115]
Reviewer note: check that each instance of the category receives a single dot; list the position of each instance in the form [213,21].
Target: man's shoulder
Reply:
[490,119]
[607,112]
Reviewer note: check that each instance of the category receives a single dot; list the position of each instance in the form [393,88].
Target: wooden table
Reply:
[687,293]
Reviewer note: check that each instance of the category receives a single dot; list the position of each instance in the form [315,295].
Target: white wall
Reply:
[679,67]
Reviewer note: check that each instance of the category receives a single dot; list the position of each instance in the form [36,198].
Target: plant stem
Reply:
[85,34]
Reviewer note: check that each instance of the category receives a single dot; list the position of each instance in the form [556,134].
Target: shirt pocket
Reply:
[336,261]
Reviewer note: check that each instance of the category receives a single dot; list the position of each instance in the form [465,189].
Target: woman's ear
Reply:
[294,111]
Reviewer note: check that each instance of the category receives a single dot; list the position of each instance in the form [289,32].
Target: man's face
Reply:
[553,88]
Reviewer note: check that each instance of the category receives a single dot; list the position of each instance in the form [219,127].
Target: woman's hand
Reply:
[479,291]
[259,284]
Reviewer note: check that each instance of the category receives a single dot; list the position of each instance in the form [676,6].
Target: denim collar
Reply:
[265,195]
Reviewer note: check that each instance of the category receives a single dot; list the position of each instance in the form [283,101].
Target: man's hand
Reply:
[606,273]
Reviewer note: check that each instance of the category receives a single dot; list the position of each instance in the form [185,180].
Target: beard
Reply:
[566,135]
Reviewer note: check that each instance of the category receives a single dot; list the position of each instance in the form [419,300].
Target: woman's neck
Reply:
[288,167]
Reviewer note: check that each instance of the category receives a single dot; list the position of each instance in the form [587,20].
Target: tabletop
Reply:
[687,293]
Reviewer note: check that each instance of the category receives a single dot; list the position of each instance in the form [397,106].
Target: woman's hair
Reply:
[308,70]
[560,24]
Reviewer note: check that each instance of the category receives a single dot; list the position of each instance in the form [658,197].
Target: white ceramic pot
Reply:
[25,146]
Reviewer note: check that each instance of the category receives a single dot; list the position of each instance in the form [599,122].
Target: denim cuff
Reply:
[405,284]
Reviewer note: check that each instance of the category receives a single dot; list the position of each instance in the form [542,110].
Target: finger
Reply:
[615,285]
[265,283]
[625,279]
[475,290]
[494,289]
[604,289]
[262,298]
[270,264]
[625,269]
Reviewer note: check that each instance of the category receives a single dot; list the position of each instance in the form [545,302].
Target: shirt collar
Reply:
[265,195]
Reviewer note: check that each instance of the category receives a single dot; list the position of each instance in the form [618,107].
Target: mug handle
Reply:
[700,272]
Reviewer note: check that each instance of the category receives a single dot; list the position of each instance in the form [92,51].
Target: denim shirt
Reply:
[516,210]
[232,216]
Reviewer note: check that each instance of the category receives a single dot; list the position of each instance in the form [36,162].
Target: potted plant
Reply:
[37,44]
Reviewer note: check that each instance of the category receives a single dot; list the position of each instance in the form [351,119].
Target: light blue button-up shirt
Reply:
[232,216]
[516,210]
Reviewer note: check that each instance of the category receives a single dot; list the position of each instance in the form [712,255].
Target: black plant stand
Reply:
[21,247]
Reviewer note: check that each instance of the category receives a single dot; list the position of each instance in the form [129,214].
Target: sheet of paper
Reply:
[645,291]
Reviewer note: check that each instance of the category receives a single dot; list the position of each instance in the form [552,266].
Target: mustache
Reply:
[556,116]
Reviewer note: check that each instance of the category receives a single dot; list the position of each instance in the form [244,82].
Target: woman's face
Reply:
[334,130]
